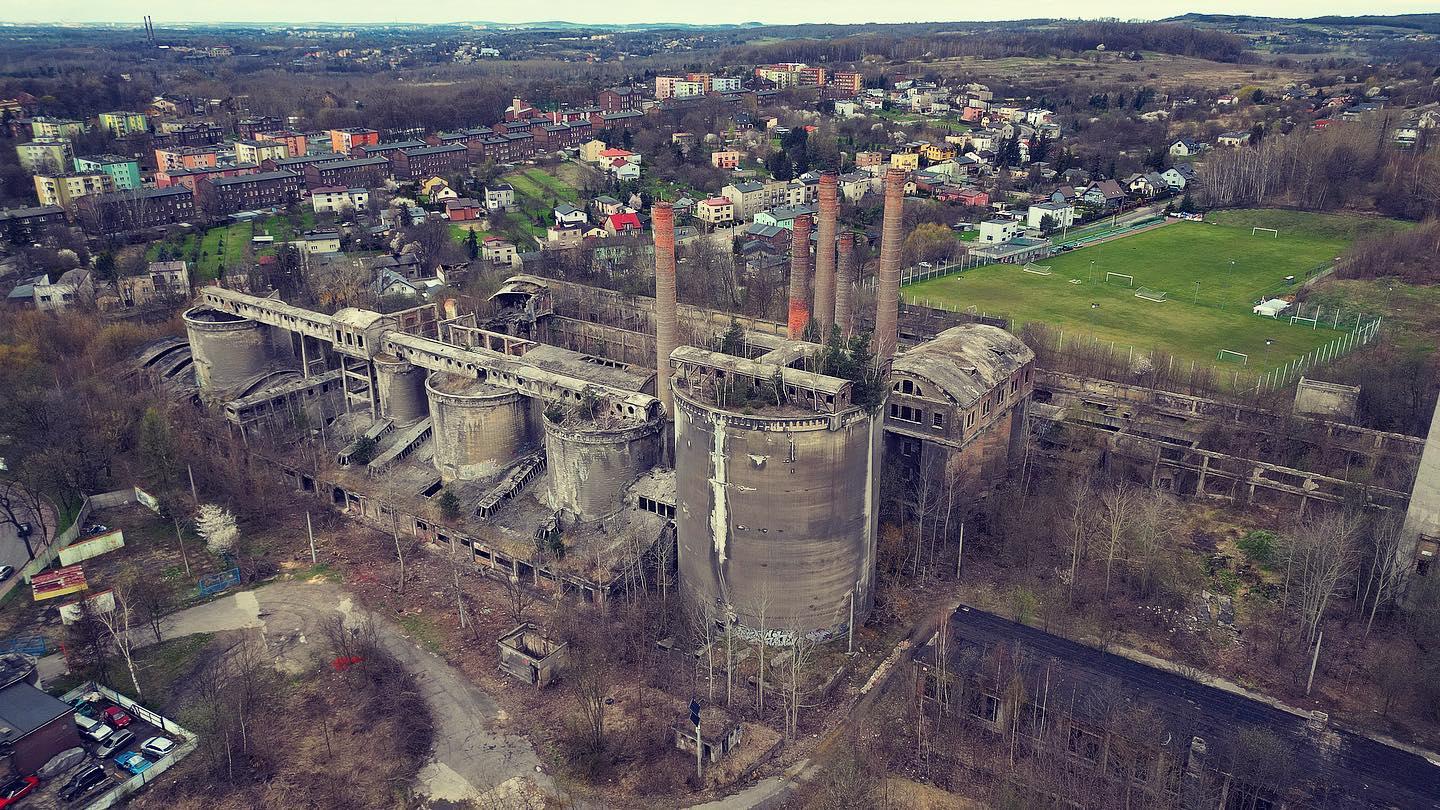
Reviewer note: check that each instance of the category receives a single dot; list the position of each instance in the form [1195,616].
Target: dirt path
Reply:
[471,760]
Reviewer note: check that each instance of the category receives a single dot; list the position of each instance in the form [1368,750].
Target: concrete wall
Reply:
[776,517]
[478,428]
[226,350]
[1422,516]
[1328,400]
[591,467]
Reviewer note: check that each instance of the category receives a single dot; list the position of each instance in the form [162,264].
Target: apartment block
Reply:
[64,189]
[123,123]
[44,155]
[124,172]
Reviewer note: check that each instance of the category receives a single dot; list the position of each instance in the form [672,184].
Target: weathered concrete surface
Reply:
[478,427]
[401,389]
[226,350]
[776,516]
[589,467]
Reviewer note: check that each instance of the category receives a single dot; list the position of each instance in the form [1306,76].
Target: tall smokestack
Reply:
[662,220]
[844,286]
[825,254]
[799,276]
[887,286]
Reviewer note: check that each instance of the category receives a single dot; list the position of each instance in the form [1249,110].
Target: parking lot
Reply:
[47,795]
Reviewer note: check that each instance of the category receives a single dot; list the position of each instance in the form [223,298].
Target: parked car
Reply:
[95,732]
[85,780]
[157,747]
[133,762]
[926,265]
[116,716]
[17,789]
[114,743]
[6,571]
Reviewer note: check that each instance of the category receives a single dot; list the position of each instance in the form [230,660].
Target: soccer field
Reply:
[1233,269]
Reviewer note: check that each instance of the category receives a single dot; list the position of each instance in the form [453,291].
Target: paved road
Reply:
[472,760]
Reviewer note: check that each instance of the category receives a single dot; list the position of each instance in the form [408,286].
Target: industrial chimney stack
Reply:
[825,255]
[845,286]
[662,217]
[887,286]
[799,277]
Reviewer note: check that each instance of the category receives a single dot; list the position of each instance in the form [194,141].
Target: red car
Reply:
[116,716]
[17,789]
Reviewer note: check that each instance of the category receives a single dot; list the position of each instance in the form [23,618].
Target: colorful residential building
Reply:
[256,152]
[715,211]
[122,123]
[175,158]
[44,155]
[296,143]
[848,82]
[63,189]
[124,172]
[725,159]
[41,127]
[343,140]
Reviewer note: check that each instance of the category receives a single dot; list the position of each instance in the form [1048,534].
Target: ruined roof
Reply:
[1344,768]
[356,318]
[966,361]
[588,368]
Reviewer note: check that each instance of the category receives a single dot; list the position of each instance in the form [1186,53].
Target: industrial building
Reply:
[593,440]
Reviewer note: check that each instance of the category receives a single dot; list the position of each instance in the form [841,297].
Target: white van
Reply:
[91,729]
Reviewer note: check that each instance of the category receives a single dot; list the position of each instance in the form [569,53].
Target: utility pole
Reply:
[960,552]
[850,634]
[311,533]
[190,470]
[1313,661]
[699,743]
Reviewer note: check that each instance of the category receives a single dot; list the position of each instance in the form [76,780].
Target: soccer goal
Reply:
[1227,356]
[1124,278]
[1037,269]
[1274,233]
[1150,295]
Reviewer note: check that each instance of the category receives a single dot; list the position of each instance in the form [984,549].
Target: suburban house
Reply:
[1147,185]
[500,196]
[498,251]
[567,214]
[1178,177]
[626,224]
[464,209]
[715,211]
[625,170]
[1104,193]
[998,230]
[606,205]
[1234,139]
[339,199]
[564,237]
[1186,148]
[1061,215]
[725,159]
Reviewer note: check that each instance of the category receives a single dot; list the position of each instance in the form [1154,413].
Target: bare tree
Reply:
[1152,539]
[1383,572]
[117,623]
[1078,511]
[1320,552]
[1116,521]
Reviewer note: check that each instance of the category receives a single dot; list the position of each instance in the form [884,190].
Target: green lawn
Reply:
[1233,269]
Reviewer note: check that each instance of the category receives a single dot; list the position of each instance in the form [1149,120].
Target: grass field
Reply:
[1233,269]
[537,192]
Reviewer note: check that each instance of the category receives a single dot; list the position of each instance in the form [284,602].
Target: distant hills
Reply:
[1427,23]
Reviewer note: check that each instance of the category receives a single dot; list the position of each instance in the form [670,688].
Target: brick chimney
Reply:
[662,220]
[799,276]
[825,254]
[844,286]
[887,285]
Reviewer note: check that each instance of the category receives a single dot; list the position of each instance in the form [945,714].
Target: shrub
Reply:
[1258,546]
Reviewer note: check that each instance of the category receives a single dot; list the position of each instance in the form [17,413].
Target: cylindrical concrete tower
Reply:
[845,286]
[590,466]
[401,387]
[225,349]
[777,515]
[478,427]
[887,285]
[825,254]
[799,314]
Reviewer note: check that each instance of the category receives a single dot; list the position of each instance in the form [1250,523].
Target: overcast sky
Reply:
[631,11]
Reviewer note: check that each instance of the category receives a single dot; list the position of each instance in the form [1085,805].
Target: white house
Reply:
[998,230]
[1186,148]
[1174,178]
[566,214]
[1062,215]
[500,195]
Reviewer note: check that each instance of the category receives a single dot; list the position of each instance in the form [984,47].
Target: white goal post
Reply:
[1037,269]
[1148,294]
[1227,355]
[1126,277]
[1274,232]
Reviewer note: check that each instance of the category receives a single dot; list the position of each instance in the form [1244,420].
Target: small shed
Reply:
[719,733]
[529,654]
[1271,308]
